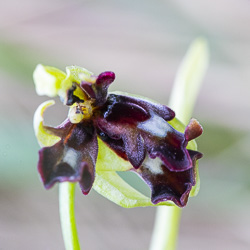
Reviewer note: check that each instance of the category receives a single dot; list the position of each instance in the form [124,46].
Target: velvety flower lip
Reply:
[159,156]
[131,121]
[166,184]
[137,130]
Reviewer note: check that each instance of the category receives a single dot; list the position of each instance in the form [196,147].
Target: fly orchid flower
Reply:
[109,132]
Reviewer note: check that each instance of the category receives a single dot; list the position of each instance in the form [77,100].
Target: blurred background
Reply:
[143,42]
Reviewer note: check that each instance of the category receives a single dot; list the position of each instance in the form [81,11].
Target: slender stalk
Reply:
[182,100]
[188,80]
[67,215]
[166,228]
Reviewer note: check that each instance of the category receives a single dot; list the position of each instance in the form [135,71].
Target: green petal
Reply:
[75,74]
[48,80]
[78,73]
[110,185]
[44,137]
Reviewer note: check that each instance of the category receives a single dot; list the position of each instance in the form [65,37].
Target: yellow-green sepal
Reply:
[48,80]
[44,137]
[53,82]
[75,75]
[110,185]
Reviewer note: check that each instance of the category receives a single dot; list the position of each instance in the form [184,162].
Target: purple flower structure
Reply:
[136,129]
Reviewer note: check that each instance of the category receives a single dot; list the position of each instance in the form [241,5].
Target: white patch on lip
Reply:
[156,126]
[153,165]
[70,157]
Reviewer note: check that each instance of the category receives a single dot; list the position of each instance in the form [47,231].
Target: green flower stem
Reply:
[182,100]
[166,228]
[67,215]
[188,80]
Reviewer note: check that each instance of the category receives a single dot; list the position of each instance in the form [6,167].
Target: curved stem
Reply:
[188,80]
[166,228]
[182,100]
[67,215]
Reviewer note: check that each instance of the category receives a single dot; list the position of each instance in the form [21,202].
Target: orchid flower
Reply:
[105,133]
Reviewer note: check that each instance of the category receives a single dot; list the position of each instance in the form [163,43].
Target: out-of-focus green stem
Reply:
[67,215]
[166,228]
[188,80]
[182,100]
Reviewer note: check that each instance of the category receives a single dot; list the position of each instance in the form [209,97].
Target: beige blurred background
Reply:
[143,42]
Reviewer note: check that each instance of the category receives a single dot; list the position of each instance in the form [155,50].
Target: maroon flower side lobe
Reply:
[72,158]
